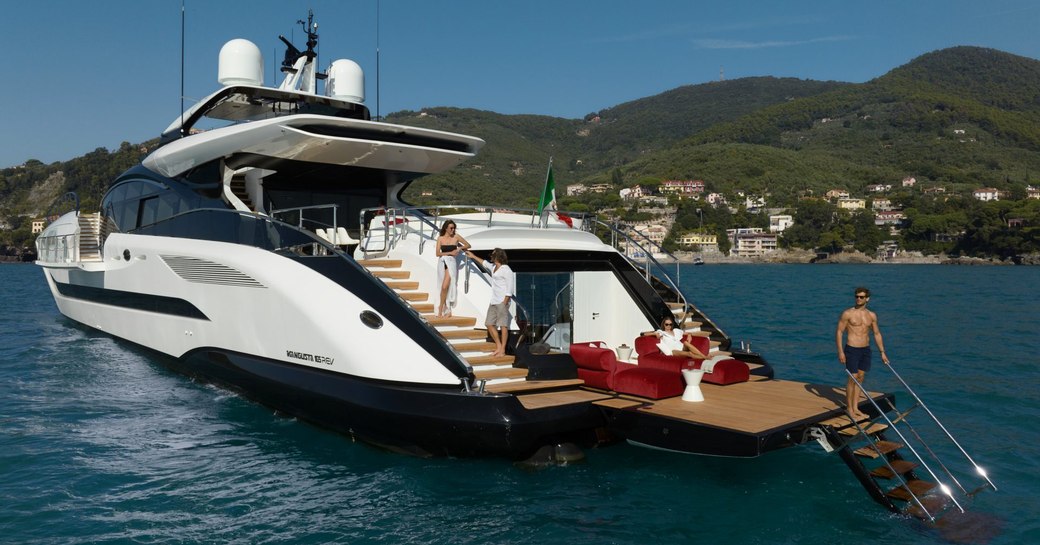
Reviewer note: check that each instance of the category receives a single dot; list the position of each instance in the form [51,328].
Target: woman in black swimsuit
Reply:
[449,245]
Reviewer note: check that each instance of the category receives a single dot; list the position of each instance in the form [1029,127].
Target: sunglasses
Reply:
[668,324]
[861,297]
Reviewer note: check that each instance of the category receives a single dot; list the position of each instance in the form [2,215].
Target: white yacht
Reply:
[271,253]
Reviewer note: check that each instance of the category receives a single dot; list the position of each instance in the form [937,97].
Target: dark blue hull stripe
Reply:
[127,299]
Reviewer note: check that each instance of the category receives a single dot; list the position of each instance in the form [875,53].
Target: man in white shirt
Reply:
[503,287]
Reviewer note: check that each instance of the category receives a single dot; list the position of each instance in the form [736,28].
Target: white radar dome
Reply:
[240,63]
[346,81]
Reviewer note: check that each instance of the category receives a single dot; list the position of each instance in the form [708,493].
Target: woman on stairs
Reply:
[449,245]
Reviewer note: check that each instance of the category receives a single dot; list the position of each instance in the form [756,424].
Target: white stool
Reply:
[693,385]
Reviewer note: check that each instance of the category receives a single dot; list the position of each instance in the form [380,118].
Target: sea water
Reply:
[99,443]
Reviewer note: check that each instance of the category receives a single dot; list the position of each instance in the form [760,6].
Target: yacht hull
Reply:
[415,419]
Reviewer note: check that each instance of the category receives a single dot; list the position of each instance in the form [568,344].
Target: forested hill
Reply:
[963,117]
[511,167]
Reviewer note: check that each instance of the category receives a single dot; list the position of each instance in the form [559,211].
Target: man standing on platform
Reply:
[855,354]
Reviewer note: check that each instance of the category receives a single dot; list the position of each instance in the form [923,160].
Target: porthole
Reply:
[126,255]
[371,319]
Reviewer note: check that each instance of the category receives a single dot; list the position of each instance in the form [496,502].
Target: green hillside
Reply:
[959,118]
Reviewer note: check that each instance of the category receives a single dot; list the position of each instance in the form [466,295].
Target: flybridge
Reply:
[245,98]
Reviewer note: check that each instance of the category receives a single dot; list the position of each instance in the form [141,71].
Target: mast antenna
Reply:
[378,117]
[182,67]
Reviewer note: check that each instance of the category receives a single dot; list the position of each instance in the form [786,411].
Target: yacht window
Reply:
[133,190]
[148,210]
[117,194]
[169,204]
[126,215]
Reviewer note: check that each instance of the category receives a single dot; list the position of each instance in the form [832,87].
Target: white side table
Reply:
[693,385]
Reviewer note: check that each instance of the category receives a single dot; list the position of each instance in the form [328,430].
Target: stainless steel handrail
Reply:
[673,283]
[920,402]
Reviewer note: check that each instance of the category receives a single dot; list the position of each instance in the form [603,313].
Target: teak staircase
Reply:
[895,464]
[461,332]
[90,237]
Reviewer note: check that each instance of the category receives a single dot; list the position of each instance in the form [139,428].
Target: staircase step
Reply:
[884,446]
[383,263]
[471,347]
[424,308]
[901,467]
[675,306]
[402,284]
[919,488]
[465,334]
[400,275]
[414,295]
[870,429]
[839,422]
[533,385]
[500,372]
[460,321]
[485,360]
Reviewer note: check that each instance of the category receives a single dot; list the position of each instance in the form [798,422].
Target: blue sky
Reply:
[82,75]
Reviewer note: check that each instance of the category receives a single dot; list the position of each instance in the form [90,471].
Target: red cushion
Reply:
[651,383]
[595,365]
[673,364]
[727,372]
[591,356]
[647,344]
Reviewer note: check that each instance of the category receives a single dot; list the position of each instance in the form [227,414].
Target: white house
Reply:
[780,222]
[716,199]
[986,194]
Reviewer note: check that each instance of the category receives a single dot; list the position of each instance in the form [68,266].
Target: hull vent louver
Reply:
[202,271]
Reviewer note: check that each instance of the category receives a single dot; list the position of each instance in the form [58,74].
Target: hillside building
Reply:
[751,242]
[986,194]
[699,242]
[780,222]
[682,187]
[848,203]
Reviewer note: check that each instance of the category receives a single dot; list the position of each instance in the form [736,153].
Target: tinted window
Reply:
[148,210]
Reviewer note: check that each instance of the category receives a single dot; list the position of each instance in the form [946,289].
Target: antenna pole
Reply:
[182,67]
[377,61]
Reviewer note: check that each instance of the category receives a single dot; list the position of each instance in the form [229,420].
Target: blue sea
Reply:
[99,443]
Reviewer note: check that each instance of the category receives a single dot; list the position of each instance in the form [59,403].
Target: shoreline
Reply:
[855,258]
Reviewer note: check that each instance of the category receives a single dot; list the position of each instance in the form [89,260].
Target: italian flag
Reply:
[548,200]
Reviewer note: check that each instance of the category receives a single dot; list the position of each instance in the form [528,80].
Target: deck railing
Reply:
[397,223]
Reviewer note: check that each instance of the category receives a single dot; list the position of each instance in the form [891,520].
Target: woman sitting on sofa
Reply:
[673,342]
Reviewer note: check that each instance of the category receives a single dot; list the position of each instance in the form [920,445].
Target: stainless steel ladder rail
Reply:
[978,468]
[892,425]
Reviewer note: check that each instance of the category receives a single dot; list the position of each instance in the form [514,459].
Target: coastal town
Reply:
[660,204]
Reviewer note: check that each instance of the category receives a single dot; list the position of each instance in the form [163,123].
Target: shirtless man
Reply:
[855,354]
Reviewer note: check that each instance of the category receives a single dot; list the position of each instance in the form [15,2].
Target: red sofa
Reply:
[599,368]
[728,371]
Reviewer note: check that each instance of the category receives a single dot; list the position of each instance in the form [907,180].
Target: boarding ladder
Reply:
[919,484]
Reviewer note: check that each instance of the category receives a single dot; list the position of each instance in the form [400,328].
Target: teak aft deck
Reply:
[743,420]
